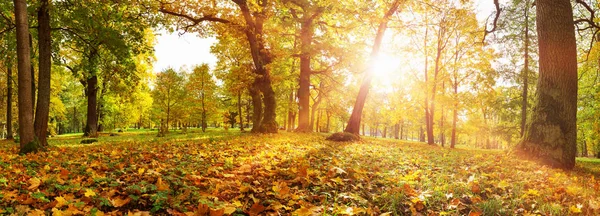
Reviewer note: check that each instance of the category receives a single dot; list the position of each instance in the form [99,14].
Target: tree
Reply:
[168,93]
[354,122]
[26,133]
[44,77]
[200,88]
[551,133]
[252,26]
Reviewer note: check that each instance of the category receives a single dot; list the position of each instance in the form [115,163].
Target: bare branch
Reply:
[495,23]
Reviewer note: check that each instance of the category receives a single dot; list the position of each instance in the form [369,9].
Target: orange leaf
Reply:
[217,212]
[202,209]
[475,213]
[118,202]
[161,186]
[256,209]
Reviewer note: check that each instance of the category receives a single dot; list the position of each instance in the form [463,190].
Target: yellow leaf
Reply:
[575,209]
[503,184]
[237,203]
[118,202]
[229,210]
[89,193]
[161,186]
[303,211]
[60,201]
[57,212]
[36,212]
[34,183]
[141,171]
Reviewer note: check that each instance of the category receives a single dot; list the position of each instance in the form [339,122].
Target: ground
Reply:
[228,172]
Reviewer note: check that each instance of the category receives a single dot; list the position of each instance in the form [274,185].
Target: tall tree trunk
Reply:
[328,121]
[45,63]
[304,84]
[551,133]
[239,103]
[354,122]
[91,128]
[26,133]
[9,92]
[269,123]
[290,113]
[436,73]
[525,74]
[257,109]
[32,56]
[428,122]
[261,58]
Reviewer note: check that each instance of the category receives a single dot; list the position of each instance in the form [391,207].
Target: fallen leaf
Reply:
[34,183]
[256,209]
[89,193]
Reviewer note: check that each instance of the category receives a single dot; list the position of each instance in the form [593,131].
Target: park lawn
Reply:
[228,172]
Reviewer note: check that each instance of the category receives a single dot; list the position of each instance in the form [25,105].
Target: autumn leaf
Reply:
[304,211]
[256,209]
[575,208]
[475,213]
[60,201]
[161,186]
[34,183]
[118,202]
[89,193]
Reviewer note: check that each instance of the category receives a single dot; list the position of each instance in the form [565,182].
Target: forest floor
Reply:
[220,172]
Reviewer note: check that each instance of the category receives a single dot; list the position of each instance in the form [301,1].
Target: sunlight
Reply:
[385,66]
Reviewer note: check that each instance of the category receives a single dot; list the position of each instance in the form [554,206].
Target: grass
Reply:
[228,172]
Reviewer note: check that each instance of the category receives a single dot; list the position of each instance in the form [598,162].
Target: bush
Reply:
[343,137]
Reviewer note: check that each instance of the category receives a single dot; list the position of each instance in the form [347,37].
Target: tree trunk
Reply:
[354,122]
[269,123]
[32,56]
[551,133]
[261,58]
[9,92]
[26,133]
[256,107]
[290,115]
[91,128]
[45,50]
[525,74]
[239,103]
[304,84]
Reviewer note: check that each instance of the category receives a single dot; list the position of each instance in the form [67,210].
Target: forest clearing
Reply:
[299,107]
[222,172]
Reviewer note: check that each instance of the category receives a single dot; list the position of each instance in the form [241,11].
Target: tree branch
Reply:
[495,23]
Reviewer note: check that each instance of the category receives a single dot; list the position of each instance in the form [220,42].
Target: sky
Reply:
[175,51]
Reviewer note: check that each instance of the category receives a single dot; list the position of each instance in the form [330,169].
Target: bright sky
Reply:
[174,51]
[177,51]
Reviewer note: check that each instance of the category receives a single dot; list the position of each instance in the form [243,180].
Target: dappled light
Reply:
[299,107]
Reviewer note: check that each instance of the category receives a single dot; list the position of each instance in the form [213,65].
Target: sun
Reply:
[384,70]
[385,66]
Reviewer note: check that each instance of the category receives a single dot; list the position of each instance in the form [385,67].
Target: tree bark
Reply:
[26,133]
[9,92]
[257,109]
[261,58]
[551,133]
[32,56]
[525,74]
[91,127]
[239,103]
[304,84]
[354,122]
[44,77]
